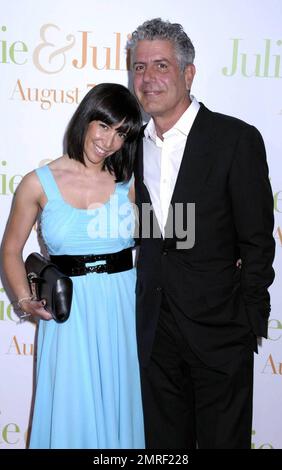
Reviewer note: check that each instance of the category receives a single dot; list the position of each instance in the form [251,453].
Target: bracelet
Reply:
[31,297]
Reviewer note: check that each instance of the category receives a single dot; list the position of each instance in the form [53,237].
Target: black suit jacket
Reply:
[218,306]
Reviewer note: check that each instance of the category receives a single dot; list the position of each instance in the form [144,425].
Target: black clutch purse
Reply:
[47,282]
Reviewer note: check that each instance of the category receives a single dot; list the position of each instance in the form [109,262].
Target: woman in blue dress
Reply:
[87,382]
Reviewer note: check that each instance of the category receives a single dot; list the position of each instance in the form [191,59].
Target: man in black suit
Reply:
[199,311]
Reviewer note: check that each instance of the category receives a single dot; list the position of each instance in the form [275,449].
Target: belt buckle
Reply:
[99,268]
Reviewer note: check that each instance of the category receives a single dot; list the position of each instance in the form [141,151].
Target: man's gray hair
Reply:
[164,30]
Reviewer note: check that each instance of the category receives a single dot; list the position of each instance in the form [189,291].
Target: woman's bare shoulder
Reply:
[60,163]
[131,193]
[29,189]
[29,181]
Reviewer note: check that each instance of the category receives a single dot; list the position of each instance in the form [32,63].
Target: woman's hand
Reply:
[35,308]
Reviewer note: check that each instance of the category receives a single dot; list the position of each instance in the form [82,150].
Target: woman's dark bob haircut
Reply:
[110,103]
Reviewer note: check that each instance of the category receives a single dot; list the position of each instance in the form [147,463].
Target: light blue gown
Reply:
[88,386]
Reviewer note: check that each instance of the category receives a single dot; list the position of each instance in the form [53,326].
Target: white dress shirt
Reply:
[162,159]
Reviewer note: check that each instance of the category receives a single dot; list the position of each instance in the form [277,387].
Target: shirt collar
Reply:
[183,124]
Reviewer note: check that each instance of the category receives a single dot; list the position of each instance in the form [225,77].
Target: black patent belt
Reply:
[75,265]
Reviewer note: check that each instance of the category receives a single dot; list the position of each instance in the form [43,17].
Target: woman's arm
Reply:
[23,215]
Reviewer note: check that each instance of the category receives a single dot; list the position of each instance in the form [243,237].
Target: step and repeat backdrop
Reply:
[51,54]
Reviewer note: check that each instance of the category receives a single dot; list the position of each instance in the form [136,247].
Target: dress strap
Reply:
[123,188]
[48,182]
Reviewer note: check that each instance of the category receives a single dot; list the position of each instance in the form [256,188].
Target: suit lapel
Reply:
[195,165]
[139,169]
[141,188]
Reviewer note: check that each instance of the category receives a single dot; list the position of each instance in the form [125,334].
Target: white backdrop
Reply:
[50,54]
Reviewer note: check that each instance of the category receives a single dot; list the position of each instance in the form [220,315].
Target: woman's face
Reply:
[101,141]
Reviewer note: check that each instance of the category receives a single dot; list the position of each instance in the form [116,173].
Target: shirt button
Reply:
[159,289]
[165,252]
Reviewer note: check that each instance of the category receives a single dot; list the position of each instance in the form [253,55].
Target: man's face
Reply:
[159,85]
